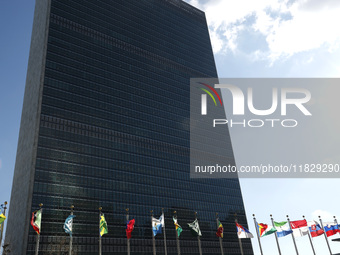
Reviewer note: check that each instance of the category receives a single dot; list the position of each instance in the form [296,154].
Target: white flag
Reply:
[68,224]
[195,228]
[156,225]
[161,219]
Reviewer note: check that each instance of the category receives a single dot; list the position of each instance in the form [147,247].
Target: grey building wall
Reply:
[22,188]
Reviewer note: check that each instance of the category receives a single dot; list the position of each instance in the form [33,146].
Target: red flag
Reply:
[129,227]
[331,229]
[315,229]
[298,224]
[35,227]
[219,232]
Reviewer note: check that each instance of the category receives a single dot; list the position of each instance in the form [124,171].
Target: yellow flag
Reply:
[2,218]
[103,226]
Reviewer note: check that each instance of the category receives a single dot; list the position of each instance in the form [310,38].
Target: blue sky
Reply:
[263,38]
[280,39]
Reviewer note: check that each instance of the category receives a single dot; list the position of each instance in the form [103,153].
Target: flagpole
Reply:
[71,238]
[257,233]
[239,239]
[296,249]
[164,234]
[277,240]
[324,232]
[310,239]
[100,237]
[220,239]
[128,240]
[198,238]
[177,237]
[38,235]
[336,222]
[2,225]
[153,236]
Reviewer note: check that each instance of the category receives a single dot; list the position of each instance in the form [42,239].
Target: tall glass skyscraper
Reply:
[105,122]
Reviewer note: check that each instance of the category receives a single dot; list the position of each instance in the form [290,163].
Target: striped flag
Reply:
[299,227]
[282,228]
[178,227]
[265,230]
[242,232]
[68,224]
[315,229]
[103,226]
[219,232]
[331,228]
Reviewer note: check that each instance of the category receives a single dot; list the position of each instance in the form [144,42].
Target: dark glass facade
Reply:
[114,129]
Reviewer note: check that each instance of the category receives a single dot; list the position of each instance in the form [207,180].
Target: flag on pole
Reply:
[161,219]
[129,227]
[36,221]
[195,228]
[219,232]
[2,218]
[331,228]
[178,227]
[2,215]
[68,224]
[299,228]
[157,225]
[315,229]
[265,230]
[103,226]
[282,228]
[242,232]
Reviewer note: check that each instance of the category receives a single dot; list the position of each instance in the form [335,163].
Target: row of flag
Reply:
[297,228]
[157,225]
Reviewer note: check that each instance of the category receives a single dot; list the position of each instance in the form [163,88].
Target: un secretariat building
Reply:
[105,122]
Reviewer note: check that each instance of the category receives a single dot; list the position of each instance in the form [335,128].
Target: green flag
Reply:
[2,218]
[280,224]
[195,228]
[178,227]
[265,230]
[103,226]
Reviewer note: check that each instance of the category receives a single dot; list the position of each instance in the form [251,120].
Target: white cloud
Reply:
[289,28]
[325,216]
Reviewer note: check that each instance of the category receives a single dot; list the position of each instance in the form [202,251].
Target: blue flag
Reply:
[68,224]
[157,225]
[331,229]
[282,228]
[315,229]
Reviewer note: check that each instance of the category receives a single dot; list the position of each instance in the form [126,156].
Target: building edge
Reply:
[23,180]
